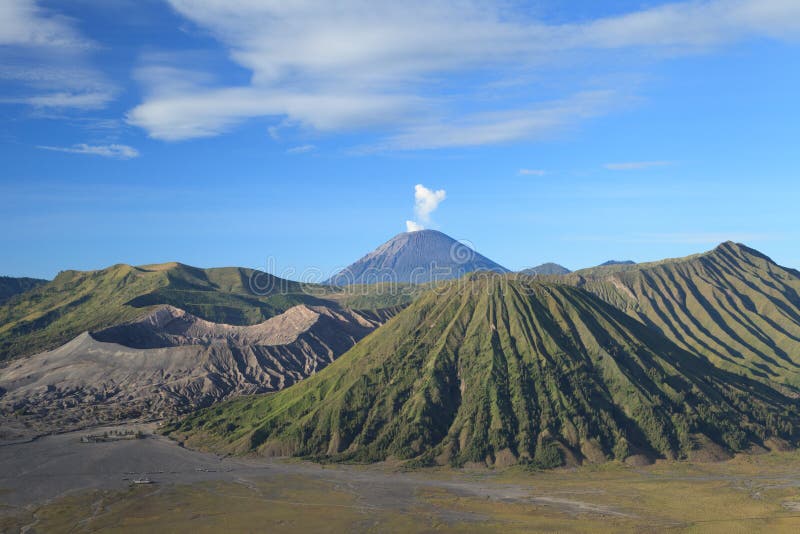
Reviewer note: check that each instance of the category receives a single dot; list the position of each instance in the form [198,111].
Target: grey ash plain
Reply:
[39,471]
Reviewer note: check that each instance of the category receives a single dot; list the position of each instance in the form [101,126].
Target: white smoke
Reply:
[425,202]
[412,226]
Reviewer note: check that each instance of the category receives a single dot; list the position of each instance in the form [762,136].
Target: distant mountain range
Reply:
[416,257]
[546,269]
[694,357]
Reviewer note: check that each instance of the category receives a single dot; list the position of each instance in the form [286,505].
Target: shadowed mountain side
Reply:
[10,286]
[415,257]
[170,361]
[498,371]
[733,305]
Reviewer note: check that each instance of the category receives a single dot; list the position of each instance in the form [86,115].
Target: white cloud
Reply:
[635,165]
[695,24]
[50,85]
[358,64]
[90,100]
[476,129]
[45,59]
[302,149]
[212,112]
[108,151]
[24,23]
[532,172]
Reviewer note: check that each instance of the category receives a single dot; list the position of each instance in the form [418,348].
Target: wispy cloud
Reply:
[302,149]
[353,65]
[540,122]
[85,100]
[108,151]
[635,165]
[46,61]
[24,23]
[210,113]
[532,172]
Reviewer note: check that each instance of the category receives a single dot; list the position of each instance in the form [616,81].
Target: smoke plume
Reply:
[425,202]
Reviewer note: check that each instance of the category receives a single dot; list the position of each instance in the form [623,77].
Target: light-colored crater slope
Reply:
[170,361]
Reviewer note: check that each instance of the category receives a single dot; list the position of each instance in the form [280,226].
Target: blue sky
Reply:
[293,134]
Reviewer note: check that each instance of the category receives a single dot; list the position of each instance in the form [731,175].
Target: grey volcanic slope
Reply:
[10,286]
[170,361]
[546,269]
[416,257]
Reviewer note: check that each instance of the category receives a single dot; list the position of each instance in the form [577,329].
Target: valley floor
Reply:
[59,484]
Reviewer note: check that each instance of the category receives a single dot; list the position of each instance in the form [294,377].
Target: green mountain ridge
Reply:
[732,305]
[79,301]
[500,370]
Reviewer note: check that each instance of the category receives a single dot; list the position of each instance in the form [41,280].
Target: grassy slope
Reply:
[732,305]
[75,301]
[10,286]
[498,370]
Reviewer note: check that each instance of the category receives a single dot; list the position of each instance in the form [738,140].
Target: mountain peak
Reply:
[549,268]
[416,257]
[740,250]
[729,245]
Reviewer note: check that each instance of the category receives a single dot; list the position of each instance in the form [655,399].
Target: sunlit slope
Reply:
[733,305]
[79,301]
[499,370]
